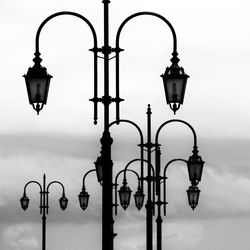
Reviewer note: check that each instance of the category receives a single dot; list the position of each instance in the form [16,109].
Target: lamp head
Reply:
[24,202]
[37,82]
[139,198]
[193,194]
[174,80]
[63,201]
[124,194]
[83,199]
[99,168]
[195,168]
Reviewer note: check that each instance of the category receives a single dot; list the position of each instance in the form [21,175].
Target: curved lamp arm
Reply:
[24,191]
[176,120]
[60,14]
[58,182]
[95,50]
[47,192]
[116,178]
[118,50]
[84,177]
[41,190]
[164,181]
[151,14]
[141,142]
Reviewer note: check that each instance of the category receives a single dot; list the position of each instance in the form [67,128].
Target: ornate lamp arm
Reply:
[176,120]
[84,177]
[95,50]
[60,14]
[41,191]
[118,50]
[47,193]
[140,145]
[164,181]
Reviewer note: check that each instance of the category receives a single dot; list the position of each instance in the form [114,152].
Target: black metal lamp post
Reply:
[44,203]
[155,179]
[37,82]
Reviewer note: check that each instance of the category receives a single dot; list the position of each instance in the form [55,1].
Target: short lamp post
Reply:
[155,179]
[38,81]
[44,203]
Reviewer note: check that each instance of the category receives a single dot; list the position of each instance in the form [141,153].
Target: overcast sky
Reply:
[213,45]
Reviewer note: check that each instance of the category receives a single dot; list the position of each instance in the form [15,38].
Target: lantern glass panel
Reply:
[175,89]
[38,89]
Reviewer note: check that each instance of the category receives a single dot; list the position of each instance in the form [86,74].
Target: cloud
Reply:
[182,234]
[20,237]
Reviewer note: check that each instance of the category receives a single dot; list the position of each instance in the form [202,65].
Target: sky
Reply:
[62,142]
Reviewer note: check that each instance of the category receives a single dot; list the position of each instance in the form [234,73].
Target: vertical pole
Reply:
[43,214]
[106,141]
[149,205]
[159,203]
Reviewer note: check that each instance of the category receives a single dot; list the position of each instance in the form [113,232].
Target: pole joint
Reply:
[106,50]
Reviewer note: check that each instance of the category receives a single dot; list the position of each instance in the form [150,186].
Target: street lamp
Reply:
[99,168]
[193,193]
[155,179]
[195,167]
[83,198]
[44,203]
[37,82]
[124,194]
[174,80]
[139,198]
[83,195]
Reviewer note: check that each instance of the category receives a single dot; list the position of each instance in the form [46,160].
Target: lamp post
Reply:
[154,178]
[44,203]
[38,81]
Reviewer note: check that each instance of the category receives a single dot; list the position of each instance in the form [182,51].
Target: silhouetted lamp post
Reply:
[155,179]
[44,203]
[38,80]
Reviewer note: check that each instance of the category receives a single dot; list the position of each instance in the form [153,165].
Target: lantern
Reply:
[139,198]
[63,201]
[83,199]
[24,202]
[193,194]
[124,194]
[37,82]
[174,80]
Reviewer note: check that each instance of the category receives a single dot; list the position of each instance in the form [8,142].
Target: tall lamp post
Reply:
[154,179]
[44,203]
[38,81]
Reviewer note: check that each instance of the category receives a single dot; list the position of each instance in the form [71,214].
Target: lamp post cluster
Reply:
[44,203]
[174,79]
[155,178]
